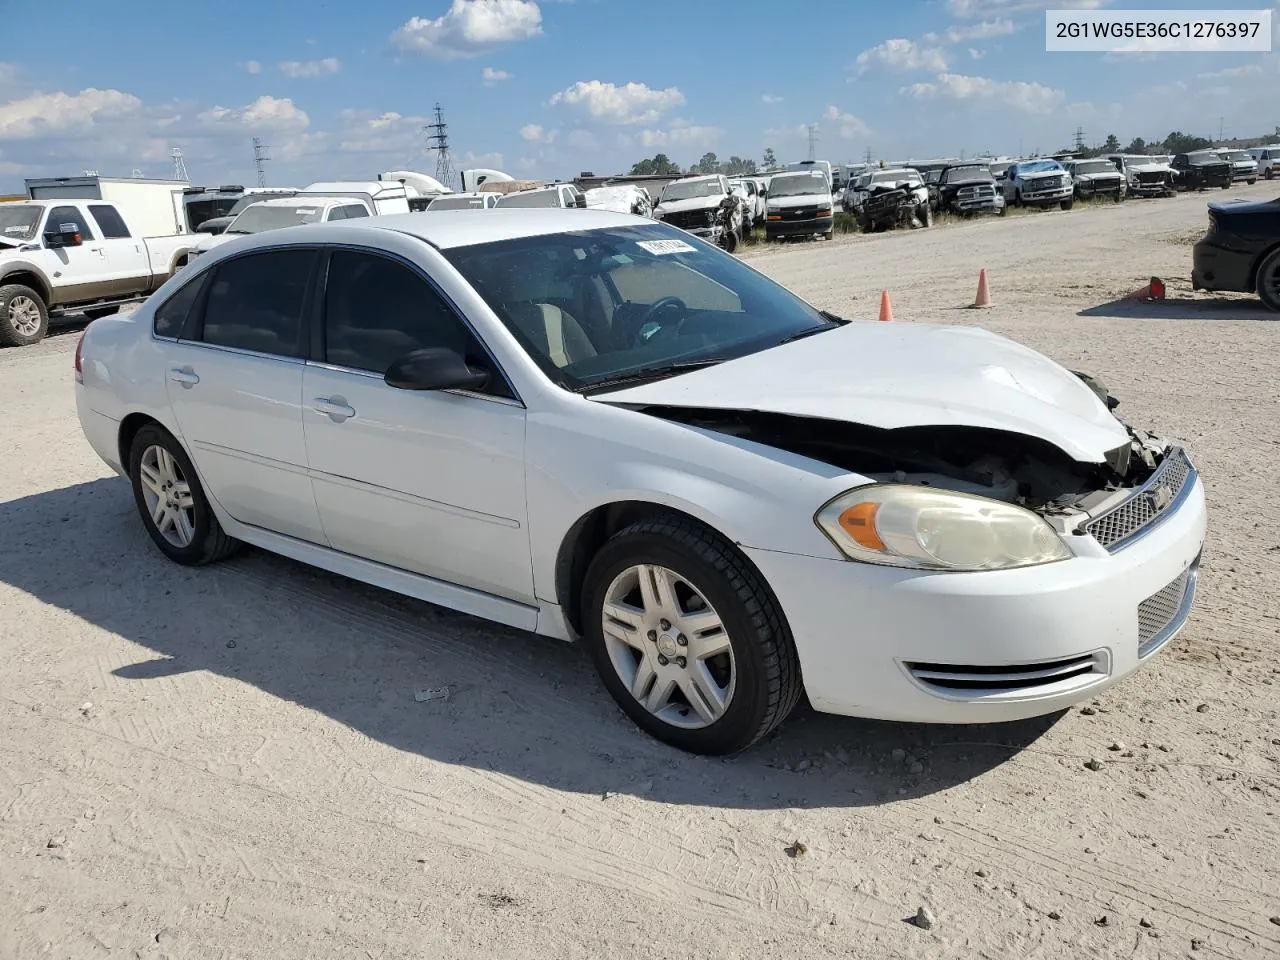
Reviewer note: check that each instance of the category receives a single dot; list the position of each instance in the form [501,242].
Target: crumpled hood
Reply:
[1090,177]
[693,203]
[1042,174]
[893,375]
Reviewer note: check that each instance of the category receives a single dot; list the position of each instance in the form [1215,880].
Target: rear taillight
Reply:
[80,359]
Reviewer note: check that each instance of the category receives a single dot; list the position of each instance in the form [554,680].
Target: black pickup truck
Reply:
[1200,169]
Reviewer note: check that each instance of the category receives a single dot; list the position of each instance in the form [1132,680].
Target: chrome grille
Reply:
[971,681]
[1165,611]
[1118,526]
[981,191]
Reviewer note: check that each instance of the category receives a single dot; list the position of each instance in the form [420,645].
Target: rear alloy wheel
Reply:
[687,637]
[171,501]
[24,319]
[1268,283]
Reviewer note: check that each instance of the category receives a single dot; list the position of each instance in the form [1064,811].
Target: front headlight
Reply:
[909,526]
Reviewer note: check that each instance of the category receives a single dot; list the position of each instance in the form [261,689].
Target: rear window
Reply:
[171,316]
[255,302]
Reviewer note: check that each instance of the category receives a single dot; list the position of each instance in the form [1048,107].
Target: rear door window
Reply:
[109,221]
[256,302]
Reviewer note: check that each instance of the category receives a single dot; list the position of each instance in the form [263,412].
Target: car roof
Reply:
[451,228]
[305,200]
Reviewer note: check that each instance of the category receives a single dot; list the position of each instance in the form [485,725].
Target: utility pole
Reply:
[179,165]
[1079,139]
[813,141]
[259,158]
[438,140]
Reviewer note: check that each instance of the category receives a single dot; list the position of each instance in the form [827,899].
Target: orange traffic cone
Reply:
[1151,291]
[983,298]
[886,309]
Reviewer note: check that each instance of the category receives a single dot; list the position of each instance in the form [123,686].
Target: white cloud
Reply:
[581,139]
[252,66]
[900,53]
[490,161]
[536,133]
[268,113]
[491,76]
[769,98]
[43,114]
[631,103]
[310,68]
[965,9]
[984,30]
[1029,97]
[847,125]
[976,54]
[1248,70]
[692,135]
[469,28]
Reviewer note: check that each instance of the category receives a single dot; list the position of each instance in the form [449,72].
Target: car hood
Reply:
[903,375]
[1042,174]
[693,203]
[1112,175]
[800,200]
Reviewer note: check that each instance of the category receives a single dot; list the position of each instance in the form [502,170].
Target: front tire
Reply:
[1268,282]
[688,638]
[24,318]
[1067,204]
[171,501]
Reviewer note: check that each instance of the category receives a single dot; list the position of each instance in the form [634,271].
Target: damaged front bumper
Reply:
[798,228]
[911,645]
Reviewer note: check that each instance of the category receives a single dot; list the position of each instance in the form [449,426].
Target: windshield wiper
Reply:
[652,373]
[832,322]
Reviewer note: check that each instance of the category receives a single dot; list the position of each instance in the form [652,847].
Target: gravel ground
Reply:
[231,762]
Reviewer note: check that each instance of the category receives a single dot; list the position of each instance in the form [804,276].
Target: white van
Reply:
[1268,160]
[803,166]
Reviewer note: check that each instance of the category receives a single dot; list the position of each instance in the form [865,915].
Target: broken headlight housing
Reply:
[901,525]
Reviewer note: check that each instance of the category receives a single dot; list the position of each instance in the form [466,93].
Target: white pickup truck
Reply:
[67,256]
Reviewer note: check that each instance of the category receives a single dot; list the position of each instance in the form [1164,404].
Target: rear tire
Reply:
[171,501]
[758,673]
[24,318]
[1268,282]
[1268,174]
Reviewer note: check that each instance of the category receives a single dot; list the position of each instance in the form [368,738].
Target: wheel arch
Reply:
[32,279]
[592,530]
[129,428]
[1257,264]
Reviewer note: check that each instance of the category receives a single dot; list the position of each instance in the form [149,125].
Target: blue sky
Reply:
[552,87]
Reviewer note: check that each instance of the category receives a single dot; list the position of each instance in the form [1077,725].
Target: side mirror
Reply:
[435,368]
[67,235]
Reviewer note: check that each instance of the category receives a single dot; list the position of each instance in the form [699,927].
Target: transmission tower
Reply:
[179,165]
[868,156]
[259,158]
[813,141]
[438,141]
[1079,139]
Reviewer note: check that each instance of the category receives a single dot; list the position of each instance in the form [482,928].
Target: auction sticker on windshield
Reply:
[659,247]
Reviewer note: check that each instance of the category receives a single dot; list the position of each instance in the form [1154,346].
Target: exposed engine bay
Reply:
[1007,466]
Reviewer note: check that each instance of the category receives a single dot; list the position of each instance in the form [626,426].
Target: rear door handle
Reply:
[185,376]
[335,408]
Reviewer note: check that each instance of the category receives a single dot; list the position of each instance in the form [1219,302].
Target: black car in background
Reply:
[966,188]
[1241,251]
[1201,169]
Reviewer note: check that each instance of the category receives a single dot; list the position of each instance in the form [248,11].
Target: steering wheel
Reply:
[666,303]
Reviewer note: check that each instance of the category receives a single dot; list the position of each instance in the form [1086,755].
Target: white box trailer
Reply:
[152,206]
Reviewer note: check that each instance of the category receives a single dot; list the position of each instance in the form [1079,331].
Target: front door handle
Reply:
[185,376]
[335,408]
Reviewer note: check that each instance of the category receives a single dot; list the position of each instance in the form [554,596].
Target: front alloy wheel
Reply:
[687,636]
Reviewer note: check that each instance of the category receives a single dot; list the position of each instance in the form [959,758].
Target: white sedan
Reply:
[598,427]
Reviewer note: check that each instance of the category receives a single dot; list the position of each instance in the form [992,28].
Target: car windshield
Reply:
[260,216]
[457,203]
[1236,156]
[596,307]
[530,198]
[965,174]
[891,176]
[798,185]
[1094,166]
[1201,159]
[1038,166]
[689,189]
[18,221]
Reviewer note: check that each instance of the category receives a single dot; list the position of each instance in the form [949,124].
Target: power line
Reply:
[259,159]
[438,141]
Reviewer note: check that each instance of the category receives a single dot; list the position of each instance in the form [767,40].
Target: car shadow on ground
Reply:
[1184,308]
[518,704]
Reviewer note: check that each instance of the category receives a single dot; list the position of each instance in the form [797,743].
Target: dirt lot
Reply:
[231,762]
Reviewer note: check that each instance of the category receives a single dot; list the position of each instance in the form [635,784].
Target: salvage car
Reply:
[1200,170]
[756,207]
[1268,160]
[799,205]
[1092,179]
[216,225]
[703,206]
[470,200]
[1241,250]
[969,188]
[656,450]
[564,195]
[1145,176]
[283,212]
[899,199]
[1038,183]
[878,177]
[1243,166]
